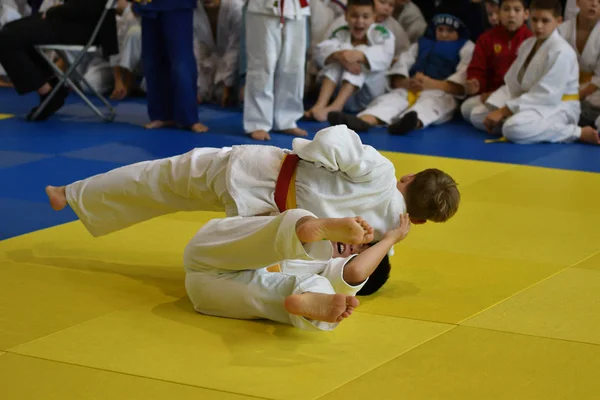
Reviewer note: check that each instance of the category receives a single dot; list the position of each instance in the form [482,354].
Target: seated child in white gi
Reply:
[410,17]
[127,65]
[7,14]
[383,16]
[284,268]
[217,49]
[334,175]
[583,34]
[540,99]
[355,58]
[425,81]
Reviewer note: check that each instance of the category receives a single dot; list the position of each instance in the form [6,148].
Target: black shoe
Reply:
[409,122]
[351,121]
[53,106]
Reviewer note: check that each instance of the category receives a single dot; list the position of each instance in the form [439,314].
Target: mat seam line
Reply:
[134,375]
[388,361]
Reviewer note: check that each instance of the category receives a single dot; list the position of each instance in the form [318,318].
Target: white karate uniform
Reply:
[20,6]
[432,106]
[129,35]
[467,107]
[379,54]
[540,113]
[7,14]
[217,60]
[337,176]
[571,10]
[413,21]
[226,269]
[401,42]
[276,58]
[589,59]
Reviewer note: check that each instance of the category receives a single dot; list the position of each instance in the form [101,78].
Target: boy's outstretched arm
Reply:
[363,265]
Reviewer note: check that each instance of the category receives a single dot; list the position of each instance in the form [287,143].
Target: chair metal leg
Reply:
[65,78]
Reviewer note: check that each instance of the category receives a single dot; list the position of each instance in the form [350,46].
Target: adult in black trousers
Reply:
[70,23]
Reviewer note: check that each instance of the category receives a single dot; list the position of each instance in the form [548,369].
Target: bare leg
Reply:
[338,104]
[57,197]
[321,307]
[353,230]
[327,88]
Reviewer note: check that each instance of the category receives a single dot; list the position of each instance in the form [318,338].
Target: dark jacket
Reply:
[76,20]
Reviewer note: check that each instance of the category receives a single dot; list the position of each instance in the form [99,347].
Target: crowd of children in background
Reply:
[512,67]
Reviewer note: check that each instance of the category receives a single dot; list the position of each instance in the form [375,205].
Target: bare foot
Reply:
[158,124]
[199,128]
[260,135]
[295,132]
[308,114]
[354,230]
[589,135]
[57,197]
[5,84]
[321,307]
[320,114]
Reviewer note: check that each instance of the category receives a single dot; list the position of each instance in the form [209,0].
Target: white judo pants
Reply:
[194,181]
[275,74]
[225,268]
[96,70]
[530,126]
[469,105]
[432,106]
[370,85]
[130,55]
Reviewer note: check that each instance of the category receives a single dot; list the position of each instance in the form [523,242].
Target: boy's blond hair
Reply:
[432,195]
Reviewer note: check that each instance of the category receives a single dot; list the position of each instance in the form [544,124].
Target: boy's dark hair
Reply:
[377,279]
[360,3]
[553,6]
[524,2]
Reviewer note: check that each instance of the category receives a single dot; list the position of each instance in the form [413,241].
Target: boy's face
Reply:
[589,9]
[491,10]
[384,9]
[513,15]
[342,250]
[445,33]
[543,23]
[359,19]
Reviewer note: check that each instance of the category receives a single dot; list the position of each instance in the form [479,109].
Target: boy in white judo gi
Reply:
[410,17]
[540,99]
[276,34]
[7,14]
[383,16]
[426,82]
[583,34]
[354,59]
[334,175]
[217,49]
[284,268]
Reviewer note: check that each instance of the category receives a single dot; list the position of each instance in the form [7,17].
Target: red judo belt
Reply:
[285,189]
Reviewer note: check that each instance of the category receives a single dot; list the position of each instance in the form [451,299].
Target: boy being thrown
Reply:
[332,176]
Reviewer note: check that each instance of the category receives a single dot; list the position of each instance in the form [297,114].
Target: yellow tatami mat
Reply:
[502,302]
